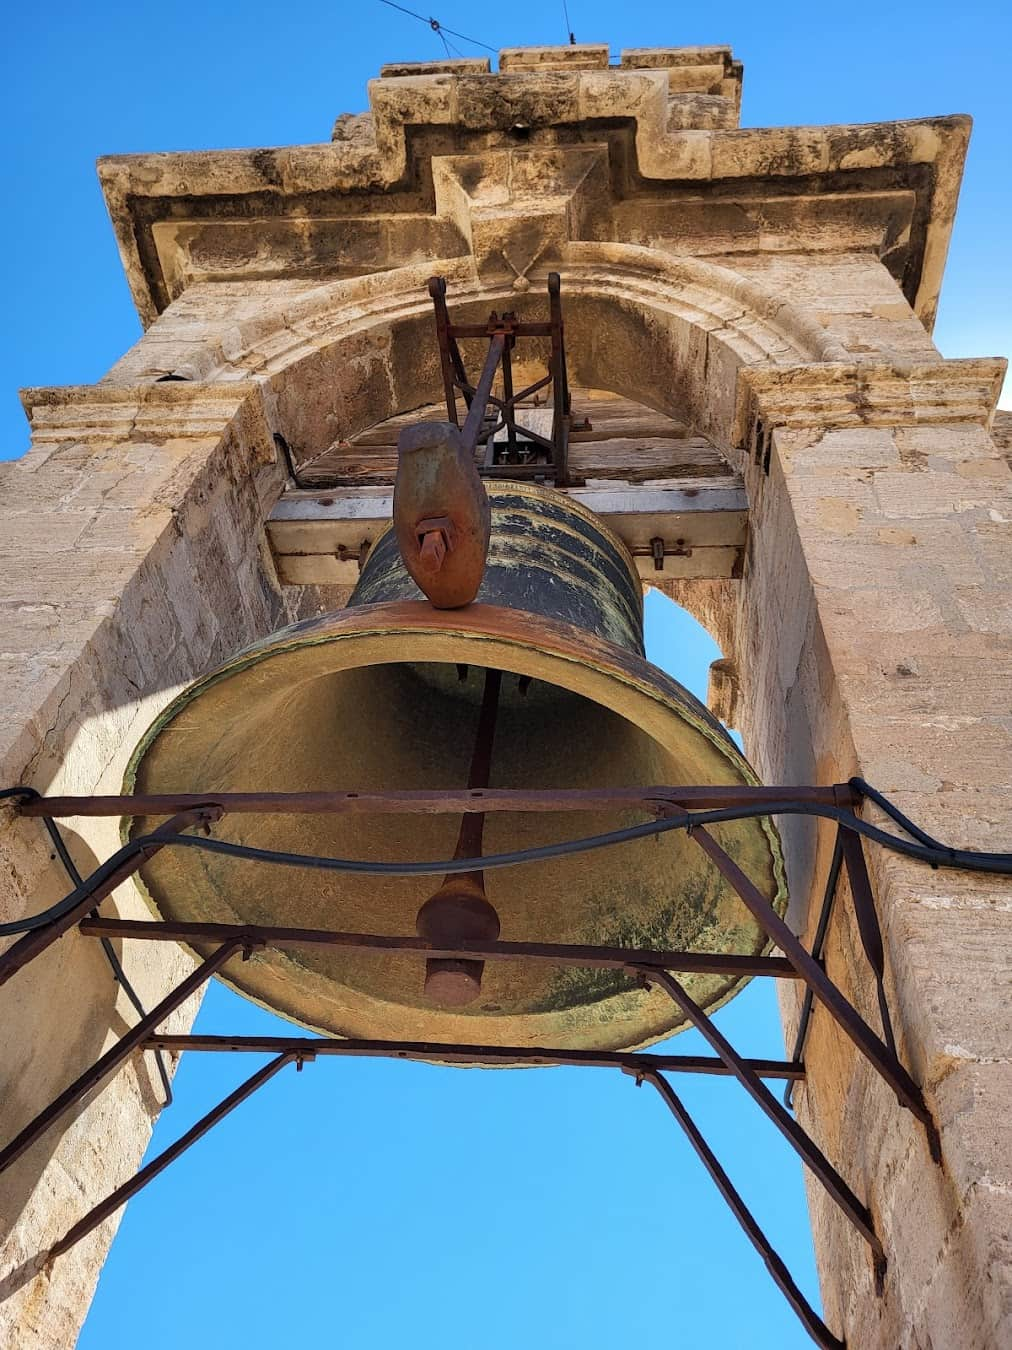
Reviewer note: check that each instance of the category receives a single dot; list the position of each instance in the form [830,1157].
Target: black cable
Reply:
[873,795]
[437,27]
[965,859]
[937,857]
[118,973]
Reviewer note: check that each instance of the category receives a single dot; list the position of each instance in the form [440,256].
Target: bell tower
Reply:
[744,408]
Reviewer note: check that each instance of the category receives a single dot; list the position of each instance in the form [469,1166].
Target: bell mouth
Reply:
[349,702]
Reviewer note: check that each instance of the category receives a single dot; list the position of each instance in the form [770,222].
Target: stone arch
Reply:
[668,331]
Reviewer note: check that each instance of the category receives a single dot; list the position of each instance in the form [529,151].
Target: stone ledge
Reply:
[577,56]
[658,58]
[167,393]
[868,393]
[465,65]
[158,410]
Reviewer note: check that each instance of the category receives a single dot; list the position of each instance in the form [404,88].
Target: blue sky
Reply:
[324,1214]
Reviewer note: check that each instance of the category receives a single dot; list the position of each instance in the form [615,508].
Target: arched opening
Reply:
[670,333]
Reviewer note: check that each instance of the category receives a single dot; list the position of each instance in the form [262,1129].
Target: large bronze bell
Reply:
[388,694]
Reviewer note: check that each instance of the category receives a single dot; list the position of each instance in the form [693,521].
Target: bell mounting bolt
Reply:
[442,517]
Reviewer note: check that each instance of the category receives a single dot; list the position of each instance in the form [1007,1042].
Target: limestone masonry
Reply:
[748,326]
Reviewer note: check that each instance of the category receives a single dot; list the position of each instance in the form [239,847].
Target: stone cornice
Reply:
[367,202]
[157,411]
[868,393]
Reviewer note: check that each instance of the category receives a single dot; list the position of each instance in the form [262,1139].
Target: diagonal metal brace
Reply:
[809,1152]
[813,1323]
[840,1009]
[123,1193]
[117,1054]
[818,947]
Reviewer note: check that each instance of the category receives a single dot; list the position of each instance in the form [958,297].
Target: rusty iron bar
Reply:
[806,1149]
[36,941]
[521,472]
[150,1170]
[428,1052]
[460,375]
[471,429]
[818,947]
[560,384]
[867,924]
[560,954]
[117,1054]
[472,824]
[839,1008]
[507,410]
[437,290]
[782,1277]
[653,799]
[460,909]
[511,327]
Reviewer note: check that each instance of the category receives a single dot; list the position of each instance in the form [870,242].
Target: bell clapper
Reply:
[459,911]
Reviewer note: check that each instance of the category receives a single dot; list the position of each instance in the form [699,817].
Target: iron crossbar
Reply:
[630,959]
[448,801]
[222,943]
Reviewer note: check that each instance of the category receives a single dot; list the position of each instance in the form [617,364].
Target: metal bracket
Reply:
[524,453]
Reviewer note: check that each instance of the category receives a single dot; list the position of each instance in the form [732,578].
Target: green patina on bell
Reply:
[386,695]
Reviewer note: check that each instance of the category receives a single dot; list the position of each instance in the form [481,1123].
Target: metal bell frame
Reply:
[688,808]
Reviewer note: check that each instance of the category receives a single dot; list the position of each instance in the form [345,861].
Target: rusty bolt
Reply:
[437,536]
[432,550]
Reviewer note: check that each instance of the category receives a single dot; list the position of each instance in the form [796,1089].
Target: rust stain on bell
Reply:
[388,694]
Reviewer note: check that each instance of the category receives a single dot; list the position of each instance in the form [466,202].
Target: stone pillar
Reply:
[133,559]
[873,639]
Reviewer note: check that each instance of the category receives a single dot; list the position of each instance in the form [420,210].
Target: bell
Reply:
[540,683]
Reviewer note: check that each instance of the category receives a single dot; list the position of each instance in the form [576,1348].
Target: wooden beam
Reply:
[318,535]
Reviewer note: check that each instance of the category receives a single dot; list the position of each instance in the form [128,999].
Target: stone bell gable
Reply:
[761,416]
[453,162]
